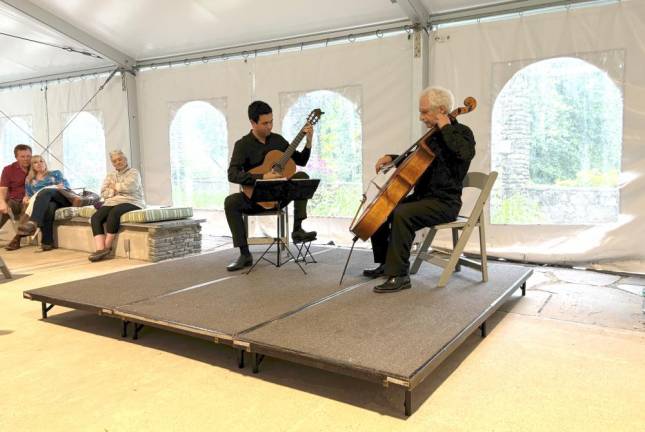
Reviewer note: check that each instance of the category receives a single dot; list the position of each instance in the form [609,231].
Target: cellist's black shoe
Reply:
[241,262]
[394,284]
[375,272]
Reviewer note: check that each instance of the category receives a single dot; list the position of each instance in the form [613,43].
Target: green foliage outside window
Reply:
[199,156]
[518,209]
[336,157]
[557,124]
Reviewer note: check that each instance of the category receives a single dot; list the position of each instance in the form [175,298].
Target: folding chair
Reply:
[282,227]
[4,269]
[451,262]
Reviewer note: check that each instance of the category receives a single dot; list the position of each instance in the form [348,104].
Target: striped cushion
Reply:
[86,211]
[65,213]
[157,214]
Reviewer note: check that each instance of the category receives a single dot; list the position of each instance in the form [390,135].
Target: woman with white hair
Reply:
[437,194]
[123,192]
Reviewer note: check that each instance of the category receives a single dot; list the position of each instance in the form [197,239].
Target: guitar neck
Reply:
[292,147]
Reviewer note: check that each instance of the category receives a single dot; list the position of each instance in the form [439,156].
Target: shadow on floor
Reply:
[363,394]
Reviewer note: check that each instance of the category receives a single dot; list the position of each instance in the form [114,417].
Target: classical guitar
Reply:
[281,162]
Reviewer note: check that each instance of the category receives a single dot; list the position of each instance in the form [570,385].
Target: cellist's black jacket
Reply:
[454,148]
[249,153]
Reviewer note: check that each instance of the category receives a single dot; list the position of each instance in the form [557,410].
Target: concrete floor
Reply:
[569,356]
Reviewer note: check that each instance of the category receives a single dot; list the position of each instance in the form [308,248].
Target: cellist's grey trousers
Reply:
[392,242]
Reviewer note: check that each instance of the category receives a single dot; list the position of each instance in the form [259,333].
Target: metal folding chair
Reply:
[461,229]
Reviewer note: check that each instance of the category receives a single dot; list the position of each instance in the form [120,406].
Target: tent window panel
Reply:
[84,153]
[199,155]
[557,144]
[336,157]
[13,132]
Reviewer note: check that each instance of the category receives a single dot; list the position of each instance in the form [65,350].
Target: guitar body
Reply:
[270,160]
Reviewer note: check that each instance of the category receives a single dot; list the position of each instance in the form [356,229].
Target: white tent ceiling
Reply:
[146,29]
[21,59]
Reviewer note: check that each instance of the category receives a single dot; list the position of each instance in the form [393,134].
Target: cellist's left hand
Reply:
[384,160]
[309,130]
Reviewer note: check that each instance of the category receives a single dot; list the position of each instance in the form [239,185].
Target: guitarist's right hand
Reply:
[272,175]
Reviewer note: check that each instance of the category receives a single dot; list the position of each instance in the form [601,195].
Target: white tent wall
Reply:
[382,68]
[28,102]
[65,99]
[161,91]
[462,58]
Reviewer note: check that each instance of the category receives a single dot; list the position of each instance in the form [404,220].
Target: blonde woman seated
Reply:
[123,192]
[42,191]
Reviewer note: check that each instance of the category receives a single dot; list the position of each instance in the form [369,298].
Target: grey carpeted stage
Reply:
[394,339]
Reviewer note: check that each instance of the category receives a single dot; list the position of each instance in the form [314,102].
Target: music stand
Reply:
[283,191]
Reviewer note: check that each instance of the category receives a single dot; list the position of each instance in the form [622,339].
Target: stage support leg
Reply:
[124,329]
[256,359]
[408,403]
[240,359]
[523,287]
[137,329]
[45,309]
[483,329]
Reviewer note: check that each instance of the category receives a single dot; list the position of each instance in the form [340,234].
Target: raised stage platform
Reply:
[393,339]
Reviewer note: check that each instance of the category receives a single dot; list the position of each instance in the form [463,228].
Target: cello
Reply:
[410,166]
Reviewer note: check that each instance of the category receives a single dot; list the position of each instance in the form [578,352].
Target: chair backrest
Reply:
[483,182]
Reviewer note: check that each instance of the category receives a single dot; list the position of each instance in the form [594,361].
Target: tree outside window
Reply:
[557,143]
[336,157]
[84,153]
[199,156]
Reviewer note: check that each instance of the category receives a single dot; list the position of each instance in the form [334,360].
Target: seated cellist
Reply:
[436,197]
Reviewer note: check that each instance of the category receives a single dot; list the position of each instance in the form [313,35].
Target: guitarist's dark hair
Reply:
[258,108]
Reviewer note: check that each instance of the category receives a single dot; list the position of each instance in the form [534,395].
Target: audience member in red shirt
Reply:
[12,188]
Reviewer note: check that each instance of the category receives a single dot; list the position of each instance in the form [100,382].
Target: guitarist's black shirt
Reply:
[249,153]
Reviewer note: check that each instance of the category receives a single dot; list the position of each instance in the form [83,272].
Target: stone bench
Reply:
[148,241]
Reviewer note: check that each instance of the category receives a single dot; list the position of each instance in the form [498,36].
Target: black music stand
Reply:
[282,191]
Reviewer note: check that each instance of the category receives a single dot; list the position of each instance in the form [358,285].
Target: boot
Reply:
[14,244]
[27,229]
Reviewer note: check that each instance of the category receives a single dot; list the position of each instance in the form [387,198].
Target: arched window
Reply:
[556,142]
[336,157]
[84,154]
[13,132]
[199,156]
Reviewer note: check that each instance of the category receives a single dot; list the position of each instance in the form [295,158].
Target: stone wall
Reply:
[173,242]
[569,206]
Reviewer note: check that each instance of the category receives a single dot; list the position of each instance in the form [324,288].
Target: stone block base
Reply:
[148,242]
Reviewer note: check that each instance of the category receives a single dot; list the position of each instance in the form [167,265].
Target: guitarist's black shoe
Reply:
[300,235]
[241,262]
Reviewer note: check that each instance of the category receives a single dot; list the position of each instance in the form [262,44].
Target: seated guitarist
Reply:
[249,152]
[437,194]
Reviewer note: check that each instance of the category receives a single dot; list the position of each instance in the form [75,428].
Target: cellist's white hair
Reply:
[439,97]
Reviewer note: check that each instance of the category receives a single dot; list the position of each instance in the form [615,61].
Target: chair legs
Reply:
[423,251]
[483,252]
[454,262]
